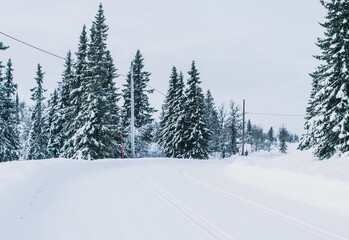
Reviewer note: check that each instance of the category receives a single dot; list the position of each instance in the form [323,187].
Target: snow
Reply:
[323,184]
[256,197]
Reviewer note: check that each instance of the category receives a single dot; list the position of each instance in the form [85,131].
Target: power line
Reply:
[32,46]
[276,114]
[152,88]
[55,55]
[156,90]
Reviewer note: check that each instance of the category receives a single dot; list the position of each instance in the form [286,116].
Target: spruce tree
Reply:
[65,91]
[258,138]
[196,134]
[113,118]
[223,140]
[142,110]
[55,127]
[283,134]
[96,137]
[327,118]
[178,140]
[78,84]
[168,123]
[235,125]
[308,139]
[59,111]
[24,127]
[211,116]
[9,127]
[37,134]
[2,100]
[270,138]
[249,132]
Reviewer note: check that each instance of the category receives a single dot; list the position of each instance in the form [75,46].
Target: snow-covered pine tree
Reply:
[37,134]
[53,121]
[196,134]
[74,112]
[179,115]
[327,118]
[9,130]
[283,135]
[142,110]
[2,121]
[65,115]
[249,132]
[308,139]
[270,138]
[96,137]
[223,140]
[258,138]
[234,126]
[211,116]
[59,116]
[113,116]
[168,123]
[24,128]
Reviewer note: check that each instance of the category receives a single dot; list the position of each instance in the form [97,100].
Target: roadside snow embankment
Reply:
[323,184]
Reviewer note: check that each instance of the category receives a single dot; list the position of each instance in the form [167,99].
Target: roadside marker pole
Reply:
[122,148]
[243,128]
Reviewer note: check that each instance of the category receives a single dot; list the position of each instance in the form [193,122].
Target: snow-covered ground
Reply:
[299,176]
[262,196]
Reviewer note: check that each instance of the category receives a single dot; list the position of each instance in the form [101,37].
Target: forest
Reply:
[88,117]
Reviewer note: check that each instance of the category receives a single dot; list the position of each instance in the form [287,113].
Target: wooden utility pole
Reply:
[243,128]
[132,114]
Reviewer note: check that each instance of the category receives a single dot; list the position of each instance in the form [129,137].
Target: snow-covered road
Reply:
[150,199]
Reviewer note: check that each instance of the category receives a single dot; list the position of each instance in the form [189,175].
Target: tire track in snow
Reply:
[311,228]
[201,222]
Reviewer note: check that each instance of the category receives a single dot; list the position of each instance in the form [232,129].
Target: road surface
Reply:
[154,199]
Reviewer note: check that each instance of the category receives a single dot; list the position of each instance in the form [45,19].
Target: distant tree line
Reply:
[82,118]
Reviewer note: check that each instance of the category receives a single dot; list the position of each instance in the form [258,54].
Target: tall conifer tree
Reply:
[223,140]
[179,110]
[283,134]
[270,138]
[196,133]
[96,137]
[2,100]
[9,131]
[37,134]
[168,123]
[54,120]
[211,115]
[142,110]
[59,111]
[235,126]
[327,121]
[78,85]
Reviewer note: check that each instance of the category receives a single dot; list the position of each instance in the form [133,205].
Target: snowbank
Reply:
[297,175]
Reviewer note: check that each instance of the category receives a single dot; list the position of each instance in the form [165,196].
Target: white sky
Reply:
[256,50]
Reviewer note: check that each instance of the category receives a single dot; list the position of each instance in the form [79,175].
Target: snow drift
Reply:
[323,184]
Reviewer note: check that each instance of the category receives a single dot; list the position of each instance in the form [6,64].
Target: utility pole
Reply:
[132,114]
[243,128]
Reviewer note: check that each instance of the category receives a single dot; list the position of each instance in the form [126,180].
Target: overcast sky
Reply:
[256,50]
